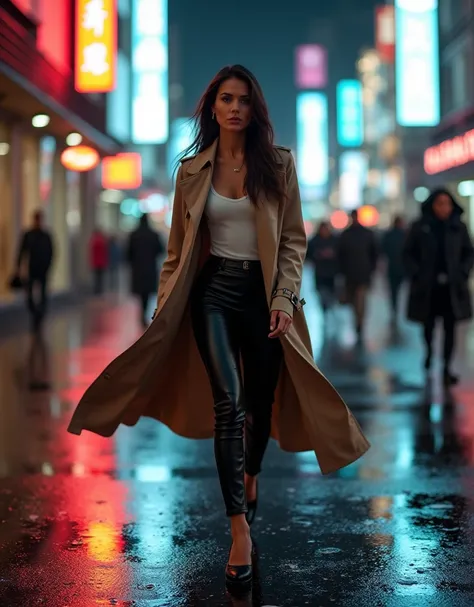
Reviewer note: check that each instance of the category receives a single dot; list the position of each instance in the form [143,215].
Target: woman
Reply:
[438,257]
[229,294]
[322,252]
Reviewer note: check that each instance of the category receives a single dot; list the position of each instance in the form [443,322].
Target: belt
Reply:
[239,264]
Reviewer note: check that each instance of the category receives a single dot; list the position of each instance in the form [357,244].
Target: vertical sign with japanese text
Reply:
[350,125]
[96,45]
[385,32]
[150,110]
[311,66]
[312,153]
[417,63]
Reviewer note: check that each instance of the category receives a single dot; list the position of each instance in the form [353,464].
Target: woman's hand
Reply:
[280,323]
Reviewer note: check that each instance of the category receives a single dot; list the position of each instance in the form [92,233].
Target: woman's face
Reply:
[443,207]
[232,106]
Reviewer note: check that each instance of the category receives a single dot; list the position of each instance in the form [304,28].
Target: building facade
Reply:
[39,108]
[449,157]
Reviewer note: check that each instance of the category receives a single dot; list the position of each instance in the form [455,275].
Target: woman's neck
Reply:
[231,145]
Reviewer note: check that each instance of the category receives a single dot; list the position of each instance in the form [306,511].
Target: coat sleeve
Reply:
[411,253]
[292,248]
[176,237]
[467,253]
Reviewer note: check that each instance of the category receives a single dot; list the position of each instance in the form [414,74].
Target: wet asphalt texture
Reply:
[137,520]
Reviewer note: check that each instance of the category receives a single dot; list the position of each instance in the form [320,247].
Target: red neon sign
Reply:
[80,158]
[450,153]
[385,33]
[122,172]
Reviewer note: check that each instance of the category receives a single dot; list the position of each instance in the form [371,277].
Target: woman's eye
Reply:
[226,99]
[245,101]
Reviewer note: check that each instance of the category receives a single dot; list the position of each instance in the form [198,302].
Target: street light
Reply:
[40,121]
[74,139]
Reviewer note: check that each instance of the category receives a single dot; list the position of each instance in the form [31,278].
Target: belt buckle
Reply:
[246,265]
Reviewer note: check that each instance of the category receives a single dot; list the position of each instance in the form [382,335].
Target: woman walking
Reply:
[438,257]
[229,349]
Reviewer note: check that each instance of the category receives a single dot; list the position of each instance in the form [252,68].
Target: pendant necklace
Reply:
[240,168]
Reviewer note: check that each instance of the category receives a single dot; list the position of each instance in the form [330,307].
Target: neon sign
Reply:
[80,158]
[96,45]
[450,153]
[350,124]
[417,62]
[150,107]
[122,172]
[312,140]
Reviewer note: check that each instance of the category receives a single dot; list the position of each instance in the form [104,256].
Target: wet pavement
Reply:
[137,520]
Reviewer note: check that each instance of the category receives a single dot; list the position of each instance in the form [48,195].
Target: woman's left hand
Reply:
[280,323]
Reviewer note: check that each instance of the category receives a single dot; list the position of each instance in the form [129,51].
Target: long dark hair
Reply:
[262,176]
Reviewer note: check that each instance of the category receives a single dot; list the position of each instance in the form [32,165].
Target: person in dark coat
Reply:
[144,248]
[438,257]
[322,253]
[393,242]
[37,247]
[357,258]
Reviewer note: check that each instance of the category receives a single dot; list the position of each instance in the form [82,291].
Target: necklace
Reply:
[240,168]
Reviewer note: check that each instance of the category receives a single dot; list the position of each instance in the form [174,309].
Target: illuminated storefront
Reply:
[450,163]
[40,116]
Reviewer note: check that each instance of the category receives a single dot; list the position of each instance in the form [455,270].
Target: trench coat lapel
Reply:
[195,187]
[196,183]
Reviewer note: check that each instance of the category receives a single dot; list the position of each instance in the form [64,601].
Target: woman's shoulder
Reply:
[186,161]
[283,154]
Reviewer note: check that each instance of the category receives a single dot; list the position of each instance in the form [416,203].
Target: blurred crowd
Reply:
[434,255]
[141,252]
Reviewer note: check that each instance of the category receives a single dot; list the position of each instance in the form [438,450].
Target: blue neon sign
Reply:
[350,121]
[150,111]
[312,152]
[417,62]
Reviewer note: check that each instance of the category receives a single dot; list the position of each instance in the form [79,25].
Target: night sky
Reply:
[262,35]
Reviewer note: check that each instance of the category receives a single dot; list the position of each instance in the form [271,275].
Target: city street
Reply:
[137,520]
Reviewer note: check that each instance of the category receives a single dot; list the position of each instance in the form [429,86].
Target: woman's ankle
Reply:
[239,526]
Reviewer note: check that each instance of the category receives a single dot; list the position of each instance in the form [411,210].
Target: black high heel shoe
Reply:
[238,578]
[252,509]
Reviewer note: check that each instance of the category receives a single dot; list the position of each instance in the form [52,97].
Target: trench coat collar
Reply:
[203,159]
[208,156]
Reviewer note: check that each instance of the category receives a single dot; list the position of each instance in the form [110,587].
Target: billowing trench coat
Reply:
[162,376]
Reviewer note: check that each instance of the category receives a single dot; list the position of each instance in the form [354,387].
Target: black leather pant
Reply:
[231,323]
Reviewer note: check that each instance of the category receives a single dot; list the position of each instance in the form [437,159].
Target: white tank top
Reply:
[232,227]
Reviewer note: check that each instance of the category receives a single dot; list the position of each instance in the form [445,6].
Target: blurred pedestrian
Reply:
[322,253]
[144,248]
[393,242]
[236,210]
[357,258]
[99,259]
[438,257]
[36,249]
[115,261]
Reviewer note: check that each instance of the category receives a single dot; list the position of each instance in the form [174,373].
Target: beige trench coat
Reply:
[162,375]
